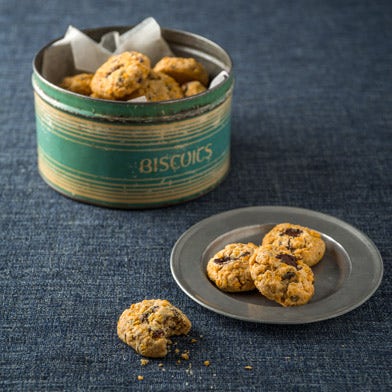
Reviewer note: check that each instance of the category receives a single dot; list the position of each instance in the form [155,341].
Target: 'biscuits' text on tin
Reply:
[175,162]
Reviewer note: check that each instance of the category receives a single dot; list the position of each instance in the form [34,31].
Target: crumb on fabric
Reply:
[185,355]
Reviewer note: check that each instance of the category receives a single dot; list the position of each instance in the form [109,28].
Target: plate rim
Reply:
[279,209]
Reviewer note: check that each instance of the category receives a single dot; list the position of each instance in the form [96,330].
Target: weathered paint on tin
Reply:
[133,155]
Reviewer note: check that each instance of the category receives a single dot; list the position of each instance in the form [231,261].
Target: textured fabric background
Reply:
[311,127]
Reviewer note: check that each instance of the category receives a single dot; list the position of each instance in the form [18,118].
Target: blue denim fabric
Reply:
[311,127]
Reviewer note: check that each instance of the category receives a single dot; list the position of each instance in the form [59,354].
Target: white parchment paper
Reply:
[77,51]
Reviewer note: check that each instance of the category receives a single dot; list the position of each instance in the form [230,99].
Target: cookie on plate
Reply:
[183,69]
[304,243]
[158,87]
[229,268]
[280,277]
[120,75]
[79,83]
[147,326]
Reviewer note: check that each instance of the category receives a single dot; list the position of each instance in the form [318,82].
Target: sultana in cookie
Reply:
[229,268]
[192,88]
[147,326]
[183,69]
[302,242]
[79,83]
[280,277]
[120,75]
[158,87]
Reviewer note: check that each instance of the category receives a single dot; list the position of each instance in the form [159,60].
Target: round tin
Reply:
[136,155]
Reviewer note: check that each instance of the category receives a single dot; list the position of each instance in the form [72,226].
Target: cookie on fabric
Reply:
[79,83]
[158,87]
[193,87]
[304,243]
[146,326]
[229,268]
[183,69]
[280,277]
[120,75]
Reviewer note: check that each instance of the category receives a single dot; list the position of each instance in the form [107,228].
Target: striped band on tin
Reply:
[131,192]
[123,136]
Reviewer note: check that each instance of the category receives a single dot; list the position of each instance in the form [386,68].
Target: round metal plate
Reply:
[345,278]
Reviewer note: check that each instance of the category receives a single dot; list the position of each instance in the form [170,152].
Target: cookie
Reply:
[305,244]
[158,87]
[79,83]
[229,268]
[183,69]
[192,88]
[147,326]
[280,277]
[120,75]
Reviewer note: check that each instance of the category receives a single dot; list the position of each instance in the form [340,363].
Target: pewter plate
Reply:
[345,278]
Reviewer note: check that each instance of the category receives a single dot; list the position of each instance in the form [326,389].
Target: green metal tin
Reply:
[136,155]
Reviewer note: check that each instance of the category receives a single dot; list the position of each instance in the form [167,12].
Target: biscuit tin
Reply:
[136,155]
